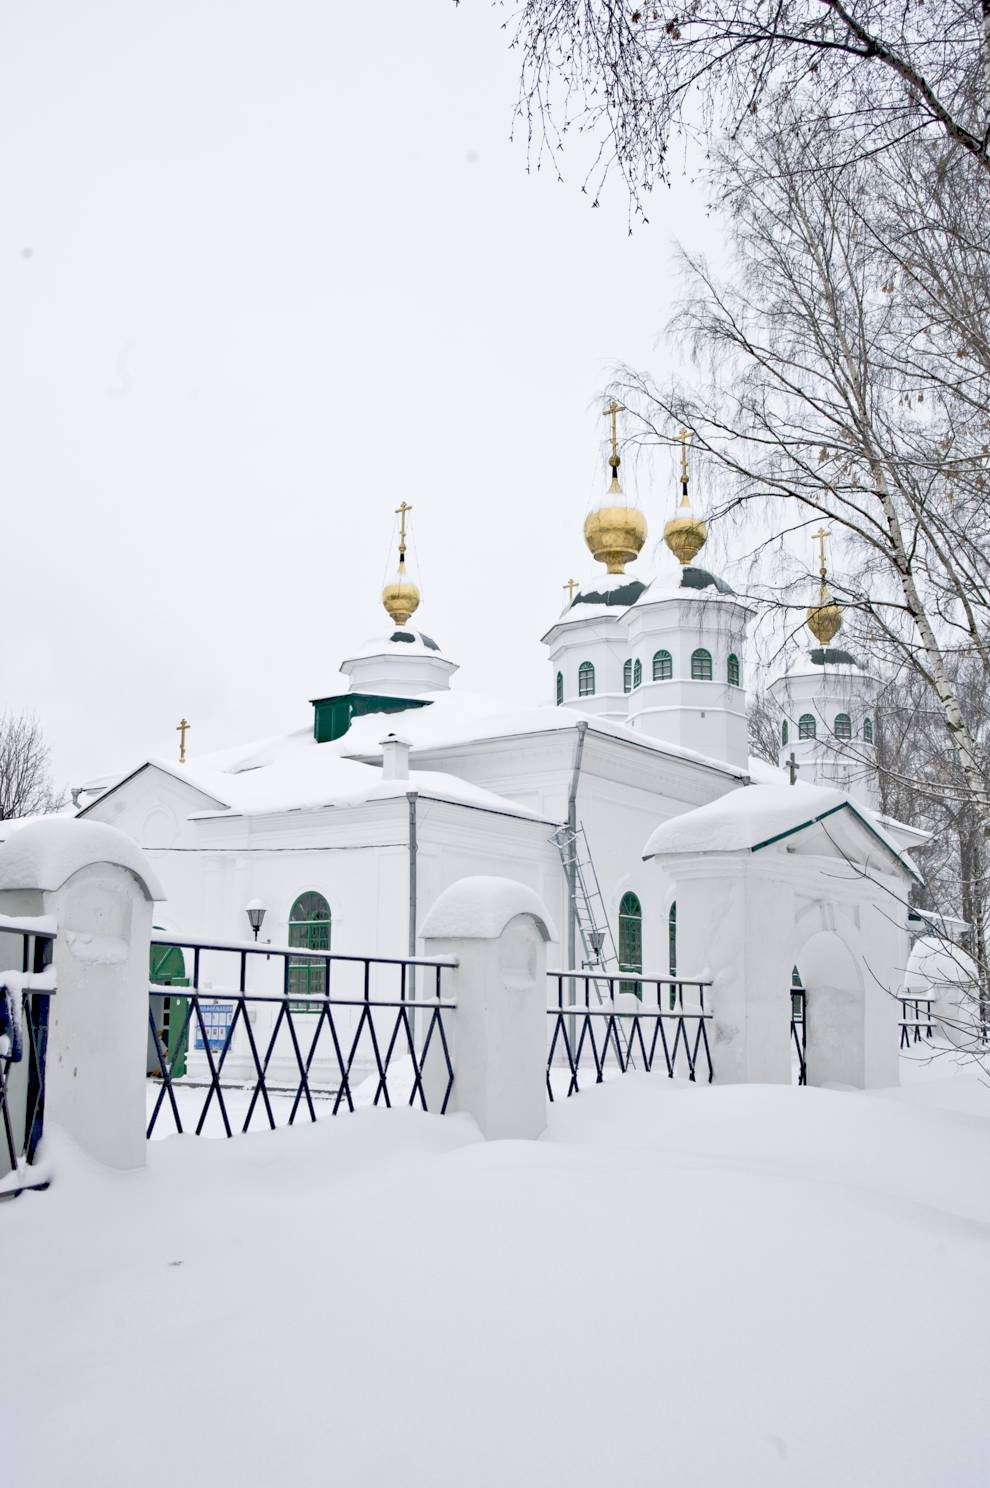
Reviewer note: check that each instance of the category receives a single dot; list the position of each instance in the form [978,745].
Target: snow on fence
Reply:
[26,990]
[602,1025]
[317,1034]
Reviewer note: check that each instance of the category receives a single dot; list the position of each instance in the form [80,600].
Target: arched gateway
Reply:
[771,877]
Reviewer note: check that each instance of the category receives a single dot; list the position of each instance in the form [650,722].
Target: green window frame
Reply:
[784,732]
[732,670]
[843,726]
[701,665]
[560,688]
[663,666]
[586,680]
[627,674]
[310,926]
[631,941]
[637,674]
[868,730]
[807,728]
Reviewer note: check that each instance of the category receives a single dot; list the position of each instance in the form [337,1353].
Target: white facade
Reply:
[827,704]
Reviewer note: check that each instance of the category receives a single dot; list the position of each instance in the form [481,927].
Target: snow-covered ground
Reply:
[691,1285]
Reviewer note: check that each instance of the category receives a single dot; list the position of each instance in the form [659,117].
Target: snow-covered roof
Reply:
[399,641]
[935,962]
[480,907]
[44,853]
[757,816]
[293,772]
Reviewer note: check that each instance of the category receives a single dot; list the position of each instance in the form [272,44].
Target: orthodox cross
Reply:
[819,537]
[684,435]
[570,586]
[182,728]
[400,512]
[792,768]
[612,411]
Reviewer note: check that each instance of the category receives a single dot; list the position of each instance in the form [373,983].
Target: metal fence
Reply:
[605,1025]
[799,1031]
[373,1032]
[917,1021]
[25,1002]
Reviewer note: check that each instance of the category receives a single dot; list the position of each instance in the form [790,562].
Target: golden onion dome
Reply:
[615,533]
[685,534]
[401,597]
[825,618]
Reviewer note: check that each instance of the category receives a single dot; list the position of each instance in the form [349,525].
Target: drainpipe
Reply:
[582,729]
[411,797]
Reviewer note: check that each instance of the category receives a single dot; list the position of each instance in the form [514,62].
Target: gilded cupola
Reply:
[401,596]
[615,532]
[825,618]
[685,534]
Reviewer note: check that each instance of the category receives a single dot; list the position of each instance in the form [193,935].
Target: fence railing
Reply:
[605,1025]
[342,1032]
[917,1020]
[799,1031]
[27,986]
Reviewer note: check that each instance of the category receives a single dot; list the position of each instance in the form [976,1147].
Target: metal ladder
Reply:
[589,906]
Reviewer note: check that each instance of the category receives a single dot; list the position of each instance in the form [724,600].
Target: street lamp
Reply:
[255,911]
[597,939]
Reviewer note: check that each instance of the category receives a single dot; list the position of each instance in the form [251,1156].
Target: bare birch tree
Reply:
[26,787]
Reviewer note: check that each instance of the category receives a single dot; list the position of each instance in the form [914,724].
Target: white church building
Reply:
[628,801]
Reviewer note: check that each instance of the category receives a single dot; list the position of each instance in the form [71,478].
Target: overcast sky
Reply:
[267,270]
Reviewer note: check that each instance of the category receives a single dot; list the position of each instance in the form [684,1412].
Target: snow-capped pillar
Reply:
[97,886]
[730,911]
[497,931]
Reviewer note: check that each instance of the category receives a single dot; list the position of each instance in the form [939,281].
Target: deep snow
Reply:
[692,1285]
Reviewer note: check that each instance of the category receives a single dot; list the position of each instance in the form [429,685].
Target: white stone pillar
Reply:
[497,930]
[97,885]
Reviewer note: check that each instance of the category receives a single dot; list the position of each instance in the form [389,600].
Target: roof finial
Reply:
[182,728]
[825,618]
[401,597]
[684,436]
[570,586]
[612,411]
[685,534]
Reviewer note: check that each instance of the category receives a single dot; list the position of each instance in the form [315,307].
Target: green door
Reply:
[168,969]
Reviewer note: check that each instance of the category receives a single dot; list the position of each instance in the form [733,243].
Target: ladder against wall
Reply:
[590,913]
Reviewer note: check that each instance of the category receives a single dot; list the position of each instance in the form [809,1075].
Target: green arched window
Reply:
[560,688]
[784,732]
[627,675]
[868,730]
[701,665]
[309,929]
[663,666]
[637,673]
[732,671]
[843,726]
[586,680]
[672,950]
[630,940]
[806,726]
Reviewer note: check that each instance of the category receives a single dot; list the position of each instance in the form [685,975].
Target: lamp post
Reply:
[255,911]
[597,938]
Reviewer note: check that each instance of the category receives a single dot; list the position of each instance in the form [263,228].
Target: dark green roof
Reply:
[831,656]
[700,578]
[621,596]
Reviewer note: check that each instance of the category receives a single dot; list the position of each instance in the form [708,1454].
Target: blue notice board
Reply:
[217,1018]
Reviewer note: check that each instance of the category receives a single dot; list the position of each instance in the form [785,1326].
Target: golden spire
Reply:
[401,596]
[616,532]
[182,728]
[570,586]
[685,534]
[825,618]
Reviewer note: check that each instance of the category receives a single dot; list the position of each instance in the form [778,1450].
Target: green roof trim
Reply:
[813,821]
[332,715]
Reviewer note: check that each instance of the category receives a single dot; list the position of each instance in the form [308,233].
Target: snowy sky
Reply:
[265,271]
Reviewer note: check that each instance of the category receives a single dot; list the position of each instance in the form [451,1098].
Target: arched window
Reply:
[672,950]
[701,665]
[732,671]
[806,726]
[637,673]
[663,666]
[627,675]
[309,929]
[868,730]
[784,732]
[586,680]
[560,688]
[843,726]
[630,940]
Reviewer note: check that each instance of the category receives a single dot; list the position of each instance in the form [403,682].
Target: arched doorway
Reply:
[167,968]
[833,1025]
